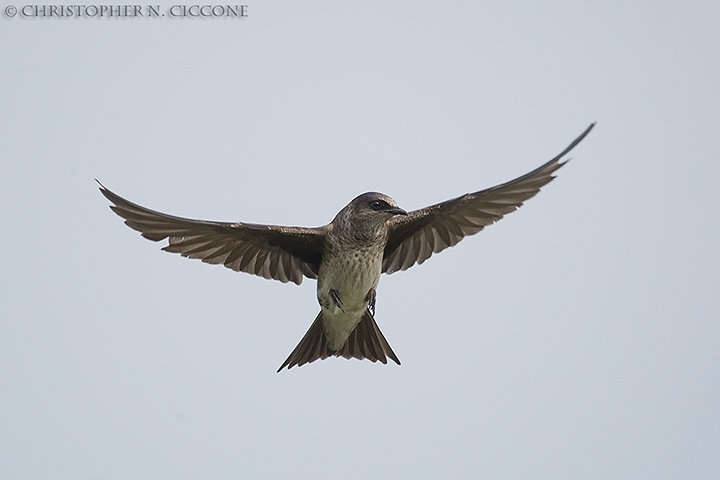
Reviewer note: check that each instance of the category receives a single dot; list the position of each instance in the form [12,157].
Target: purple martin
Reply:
[370,236]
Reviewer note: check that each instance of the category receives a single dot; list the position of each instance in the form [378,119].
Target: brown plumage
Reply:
[370,236]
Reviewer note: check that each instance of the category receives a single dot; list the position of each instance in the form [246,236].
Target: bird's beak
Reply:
[396,211]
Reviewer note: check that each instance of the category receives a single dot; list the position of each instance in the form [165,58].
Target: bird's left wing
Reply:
[412,239]
[274,252]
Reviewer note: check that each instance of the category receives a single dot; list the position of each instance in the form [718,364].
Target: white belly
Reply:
[352,277]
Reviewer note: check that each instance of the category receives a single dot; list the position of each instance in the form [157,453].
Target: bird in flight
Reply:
[370,236]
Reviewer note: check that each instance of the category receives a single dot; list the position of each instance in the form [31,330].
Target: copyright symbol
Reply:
[10,11]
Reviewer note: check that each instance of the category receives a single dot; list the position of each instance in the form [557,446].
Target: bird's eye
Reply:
[376,204]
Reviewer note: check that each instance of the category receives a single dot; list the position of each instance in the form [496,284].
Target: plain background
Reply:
[577,338]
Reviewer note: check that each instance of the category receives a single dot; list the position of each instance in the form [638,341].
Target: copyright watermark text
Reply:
[127,11]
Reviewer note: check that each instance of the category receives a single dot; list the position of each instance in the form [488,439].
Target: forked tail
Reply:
[366,341]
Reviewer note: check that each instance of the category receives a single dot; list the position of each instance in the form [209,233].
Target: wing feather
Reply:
[286,254]
[412,239]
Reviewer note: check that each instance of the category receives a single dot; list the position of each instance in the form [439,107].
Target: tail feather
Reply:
[366,341]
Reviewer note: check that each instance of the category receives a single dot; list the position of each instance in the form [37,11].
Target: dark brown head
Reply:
[367,213]
[376,204]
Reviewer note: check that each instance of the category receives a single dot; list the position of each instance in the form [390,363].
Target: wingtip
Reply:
[587,130]
[585,133]
[107,194]
[559,158]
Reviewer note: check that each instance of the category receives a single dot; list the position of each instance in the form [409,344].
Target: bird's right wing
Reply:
[279,253]
[412,239]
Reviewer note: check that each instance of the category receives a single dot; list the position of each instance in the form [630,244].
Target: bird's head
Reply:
[375,205]
[367,213]
[365,218]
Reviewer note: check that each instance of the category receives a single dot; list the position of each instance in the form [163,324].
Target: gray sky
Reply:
[577,338]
